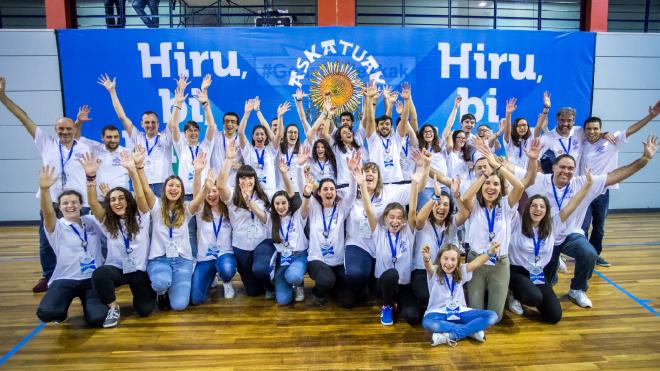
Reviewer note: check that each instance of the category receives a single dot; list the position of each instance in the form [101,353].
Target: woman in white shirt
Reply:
[448,317]
[124,220]
[459,155]
[170,264]
[76,242]
[323,162]
[395,241]
[531,250]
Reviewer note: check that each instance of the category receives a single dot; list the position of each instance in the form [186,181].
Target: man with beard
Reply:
[62,154]
[559,187]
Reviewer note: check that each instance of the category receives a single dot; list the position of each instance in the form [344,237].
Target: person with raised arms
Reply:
[124,219]
[62,155]
[158,164]
[517,135]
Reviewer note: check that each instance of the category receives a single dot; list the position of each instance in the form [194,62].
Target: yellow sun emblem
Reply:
[341,81]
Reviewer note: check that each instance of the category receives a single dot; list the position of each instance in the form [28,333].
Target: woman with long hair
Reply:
[459,155]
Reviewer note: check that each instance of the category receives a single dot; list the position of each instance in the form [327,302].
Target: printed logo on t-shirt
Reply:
[116,161]
[404,246]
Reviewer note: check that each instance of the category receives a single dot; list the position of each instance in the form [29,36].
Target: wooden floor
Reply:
[251,333]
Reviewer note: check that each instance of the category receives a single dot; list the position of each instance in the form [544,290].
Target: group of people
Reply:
[387,208]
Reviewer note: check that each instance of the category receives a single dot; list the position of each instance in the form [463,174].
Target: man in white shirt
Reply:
[62,154]
[110,170]
[559,187]
[601,157]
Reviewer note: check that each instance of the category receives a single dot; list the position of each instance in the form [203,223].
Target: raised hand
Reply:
[200,161]
[210,180]
[546,100]
[47,177]
[456,187]
[426,252]
[437,188]
[355,161]
[303,155]
[358,174]
[534,149]
[179,96]
[589,177]
[650,146]
[90,164]
[183,82]
[457,101]
[139,154]
[494,248]
[127,161]
[206,82]
[83,114]
[283,108]
[104,188]
[104,80]
[511,105]
[370,90]
[284,168]
[249,105]
[256,103]
[399,108]
[230,153]
[405,91]
[299,95]
[203,97]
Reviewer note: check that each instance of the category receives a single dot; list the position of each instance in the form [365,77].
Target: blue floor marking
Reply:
[20,345]
[642,302]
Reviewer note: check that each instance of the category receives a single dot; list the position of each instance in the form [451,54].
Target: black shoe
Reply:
[164,302]
[601,262]
[41,286]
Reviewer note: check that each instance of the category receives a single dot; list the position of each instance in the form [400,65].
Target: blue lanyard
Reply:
[288,227]
[520,142]
[288,157]
[327,226]
[322,166]
[570,142]
[146,140]
[554,191]
[126,241]
[386,146]
[83,240]
[224,141]
[393,245]
[260,159]
[216,230]
[193,155]
[405,148]
[439,240]
[490,217]
[171,221]
[451,286]
[62,162]
[537,247]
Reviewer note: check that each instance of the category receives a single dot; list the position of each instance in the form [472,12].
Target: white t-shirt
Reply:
[329,250]
[209,245]
[438,163]
[602,156]
[435,237]
[67,245]
[248,230]
[54,155]
[521,251]
[322,169]
[440,295]
[516,155]
[266,172]
[385,152]
[573,224]
[158,161]
[290,158]
[560,145]
[403,248]
[160,234]
[405,155]
[187,154]
[343,173]
[478,228]
[110,170]
[220,151]
[296,232]
[457,166]
[358,231]
[117,254]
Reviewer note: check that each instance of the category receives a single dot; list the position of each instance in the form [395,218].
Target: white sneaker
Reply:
[479,336]
[229,290]
[300,293]
[442,338]
[514,305]
[562,265]
[580,297]
[216,281]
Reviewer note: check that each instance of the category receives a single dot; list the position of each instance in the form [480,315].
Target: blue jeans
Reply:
[156,188]
[204,274]
[139,5]
[254,267]
[192,230]
[576,246]
[173,275]
[474,320]
[46,254]
[596,214]
[359,268]
[288,276]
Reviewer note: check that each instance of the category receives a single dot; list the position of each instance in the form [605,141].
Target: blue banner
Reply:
[486,67]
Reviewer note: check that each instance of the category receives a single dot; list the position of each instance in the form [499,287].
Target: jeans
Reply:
[46,254]
[393,293]
[107,278]
[139,5]
[360,268]
[595,217]
[491,278]
[254,267]
[287,276]
[192,230]
[473,320]
[576,246]
[204,274]
[54,306]
[327,279]
[539,296]
[156,188]
[173,275]
[110,6]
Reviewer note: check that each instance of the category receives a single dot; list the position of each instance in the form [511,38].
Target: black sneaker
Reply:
[164,302]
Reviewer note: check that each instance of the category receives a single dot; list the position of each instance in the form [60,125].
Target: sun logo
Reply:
[340,81]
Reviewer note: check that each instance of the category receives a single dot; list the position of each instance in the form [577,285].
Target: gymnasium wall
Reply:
[626,82]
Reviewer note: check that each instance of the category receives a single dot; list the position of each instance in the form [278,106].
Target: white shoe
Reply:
[442,338]
[216,281]
[580,297]
[515,306]
[300,293]
[562,265]
[479,336]
[229,290]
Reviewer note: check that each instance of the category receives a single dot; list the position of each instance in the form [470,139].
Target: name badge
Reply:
[172,250]
[365,228]
[129,265]
[213,251]
[453,310]
[537,276]
[87,264]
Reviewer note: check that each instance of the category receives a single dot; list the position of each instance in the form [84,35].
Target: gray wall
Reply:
[626,82]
